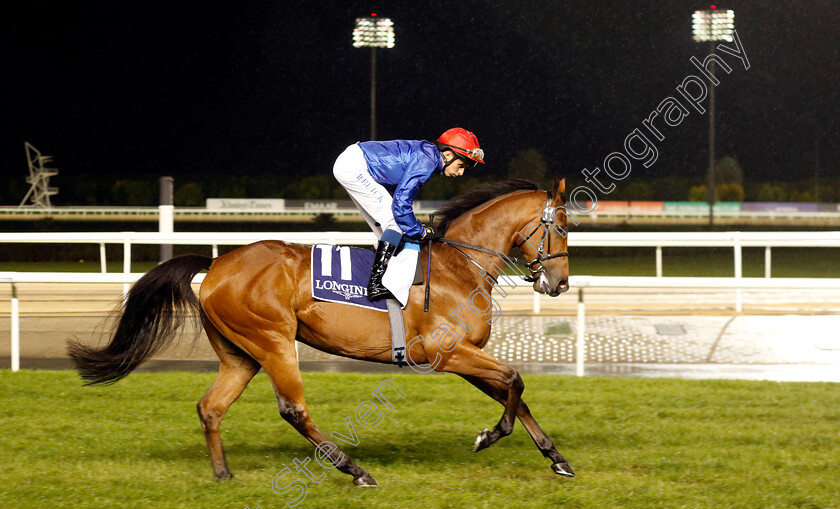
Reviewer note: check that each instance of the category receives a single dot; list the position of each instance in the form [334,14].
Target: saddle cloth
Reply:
[340,274]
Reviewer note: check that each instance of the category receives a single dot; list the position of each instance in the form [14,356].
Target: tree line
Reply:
[192,190]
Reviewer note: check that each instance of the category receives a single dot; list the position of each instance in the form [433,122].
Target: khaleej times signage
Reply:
[276,205]
[246,204]
[320,205]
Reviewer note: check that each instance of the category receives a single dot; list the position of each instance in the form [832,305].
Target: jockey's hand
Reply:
[429,233]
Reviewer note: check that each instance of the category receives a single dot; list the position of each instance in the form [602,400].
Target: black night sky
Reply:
[123,89]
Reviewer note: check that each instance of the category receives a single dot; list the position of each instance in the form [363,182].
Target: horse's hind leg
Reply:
[282,368]
[235,371]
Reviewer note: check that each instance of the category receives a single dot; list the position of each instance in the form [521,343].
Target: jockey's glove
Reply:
[429,233]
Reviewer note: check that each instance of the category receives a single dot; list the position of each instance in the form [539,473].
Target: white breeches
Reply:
[371,198]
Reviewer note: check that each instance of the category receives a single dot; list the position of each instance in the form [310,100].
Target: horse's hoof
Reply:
[365,481]
[563,469]
[482,440]
[223,476]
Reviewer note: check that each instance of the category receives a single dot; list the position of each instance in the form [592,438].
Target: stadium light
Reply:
[712,25]
[373,32]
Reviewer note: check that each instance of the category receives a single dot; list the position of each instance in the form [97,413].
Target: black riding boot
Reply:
[375,289]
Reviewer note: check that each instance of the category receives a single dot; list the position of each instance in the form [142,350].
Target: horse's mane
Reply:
[458,206]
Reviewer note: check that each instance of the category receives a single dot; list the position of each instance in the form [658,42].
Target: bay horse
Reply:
[255,302]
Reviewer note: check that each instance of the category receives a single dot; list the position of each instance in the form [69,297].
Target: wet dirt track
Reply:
[785,335]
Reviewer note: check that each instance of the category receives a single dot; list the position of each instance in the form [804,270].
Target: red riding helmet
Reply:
[464,143]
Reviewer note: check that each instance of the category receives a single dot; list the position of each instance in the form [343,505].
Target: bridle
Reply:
[544,253]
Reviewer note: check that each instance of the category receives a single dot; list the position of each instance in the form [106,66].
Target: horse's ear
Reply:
[558,190]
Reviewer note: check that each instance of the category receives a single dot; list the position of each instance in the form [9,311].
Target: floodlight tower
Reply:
[373,32]
[39,178]
[712,25]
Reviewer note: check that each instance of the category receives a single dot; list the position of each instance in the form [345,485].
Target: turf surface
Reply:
[645,443]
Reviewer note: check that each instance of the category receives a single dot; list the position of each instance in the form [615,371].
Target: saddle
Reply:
[340,274]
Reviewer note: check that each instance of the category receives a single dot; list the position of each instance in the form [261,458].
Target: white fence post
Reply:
[658,261]
[536,302]
[166,224]
[580,349]
[767,261]
[126,259]
[103,260]
[15,317]
[738,271]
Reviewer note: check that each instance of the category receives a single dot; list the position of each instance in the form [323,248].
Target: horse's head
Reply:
[543,241]
[497,216]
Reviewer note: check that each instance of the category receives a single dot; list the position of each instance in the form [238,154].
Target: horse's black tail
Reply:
[153,310]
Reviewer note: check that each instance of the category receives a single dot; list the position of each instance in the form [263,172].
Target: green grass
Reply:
[646,443]
[707,262]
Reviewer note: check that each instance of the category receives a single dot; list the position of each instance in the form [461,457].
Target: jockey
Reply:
[382,178]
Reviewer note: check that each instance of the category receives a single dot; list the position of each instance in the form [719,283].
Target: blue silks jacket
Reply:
[403,166]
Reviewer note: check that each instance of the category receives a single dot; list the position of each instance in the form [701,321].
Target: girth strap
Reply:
[395,318]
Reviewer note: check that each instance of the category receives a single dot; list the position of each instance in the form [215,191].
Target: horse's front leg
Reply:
[512,389]
[501,382]
[558,463]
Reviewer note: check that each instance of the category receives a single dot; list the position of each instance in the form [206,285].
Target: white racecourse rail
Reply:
[735,240]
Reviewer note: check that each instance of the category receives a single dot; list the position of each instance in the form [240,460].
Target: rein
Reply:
[457,244]
[543,253]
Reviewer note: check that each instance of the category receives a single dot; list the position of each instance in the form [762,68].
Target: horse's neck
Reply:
[495,224]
